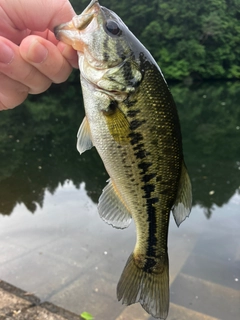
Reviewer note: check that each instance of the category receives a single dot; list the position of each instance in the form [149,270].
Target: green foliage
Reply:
[187,38]
[86,316]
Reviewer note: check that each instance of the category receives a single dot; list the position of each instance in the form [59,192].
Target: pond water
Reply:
[53,242]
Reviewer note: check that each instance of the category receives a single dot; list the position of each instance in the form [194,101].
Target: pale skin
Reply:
[31,58]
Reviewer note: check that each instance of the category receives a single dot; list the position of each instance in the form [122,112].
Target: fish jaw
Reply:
[75,31]
[66,33]
[92,34]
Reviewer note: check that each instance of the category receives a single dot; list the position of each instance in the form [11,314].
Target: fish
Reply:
[132,121]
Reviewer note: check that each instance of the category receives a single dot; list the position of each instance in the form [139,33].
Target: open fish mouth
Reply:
[70,32]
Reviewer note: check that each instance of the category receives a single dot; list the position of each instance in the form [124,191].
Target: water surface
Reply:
[54,244]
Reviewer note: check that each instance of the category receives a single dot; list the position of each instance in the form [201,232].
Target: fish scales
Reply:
[150,132]
[132,120]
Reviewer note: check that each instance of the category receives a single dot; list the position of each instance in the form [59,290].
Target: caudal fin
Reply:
[151,289]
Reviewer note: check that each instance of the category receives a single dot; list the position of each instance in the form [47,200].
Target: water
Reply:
[54,244]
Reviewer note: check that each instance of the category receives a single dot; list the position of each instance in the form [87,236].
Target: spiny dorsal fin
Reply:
[84,141]
[183,203]
[112,209]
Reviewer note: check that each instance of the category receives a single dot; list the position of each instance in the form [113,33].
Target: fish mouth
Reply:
[70,32]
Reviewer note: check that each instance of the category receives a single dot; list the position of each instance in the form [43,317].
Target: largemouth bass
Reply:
[131,119]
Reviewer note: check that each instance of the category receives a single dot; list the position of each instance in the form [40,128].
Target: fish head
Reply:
[106,49]
[98,33]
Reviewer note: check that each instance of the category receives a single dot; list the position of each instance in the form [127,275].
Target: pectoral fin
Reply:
[84,141]
[112,209]
[117,123]
[183,203]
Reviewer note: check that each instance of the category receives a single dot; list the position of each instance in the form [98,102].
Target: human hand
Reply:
[31,58]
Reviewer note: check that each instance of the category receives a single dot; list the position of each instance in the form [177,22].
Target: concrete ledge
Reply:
[20,305]
[19,293]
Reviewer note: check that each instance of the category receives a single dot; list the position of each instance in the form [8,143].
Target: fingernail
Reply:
[37,53]
[6,54]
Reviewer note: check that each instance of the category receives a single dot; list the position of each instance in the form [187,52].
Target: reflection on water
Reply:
[42,173]
[37,146]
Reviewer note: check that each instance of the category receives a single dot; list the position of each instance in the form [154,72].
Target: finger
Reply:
[12,93]
[45,57]
[16,68]
[69,54]
[67,51]
[47,34]
[39,15]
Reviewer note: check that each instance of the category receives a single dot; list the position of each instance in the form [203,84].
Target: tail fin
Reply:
[151,289]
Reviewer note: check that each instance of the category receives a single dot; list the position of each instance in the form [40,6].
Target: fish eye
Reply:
[113,28]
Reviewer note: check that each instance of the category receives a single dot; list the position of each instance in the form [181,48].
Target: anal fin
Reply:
[112,209]
[183,203]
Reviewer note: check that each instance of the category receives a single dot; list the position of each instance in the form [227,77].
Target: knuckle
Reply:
[62,73]
[36,81]
[40,88]
[3,106]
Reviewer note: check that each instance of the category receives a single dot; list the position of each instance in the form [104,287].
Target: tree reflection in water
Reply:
[37,145]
